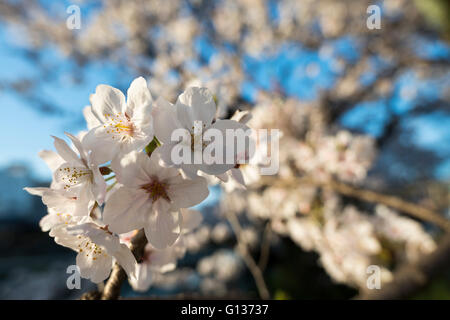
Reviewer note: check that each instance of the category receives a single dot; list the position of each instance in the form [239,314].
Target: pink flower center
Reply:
[156,190]
[119,124]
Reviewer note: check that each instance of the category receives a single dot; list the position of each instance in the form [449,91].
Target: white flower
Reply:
[150,197]
[76,186]
[78,175]
[97,249]
[195,104]
[242,174]
[118,126]
[53,161]
[246,170]
[162,261]
[63,206]
[55,219]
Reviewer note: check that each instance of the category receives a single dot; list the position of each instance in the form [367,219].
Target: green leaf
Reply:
[152,146]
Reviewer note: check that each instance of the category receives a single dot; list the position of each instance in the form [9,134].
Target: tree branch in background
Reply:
[409,208]
[265,247]
[248,259]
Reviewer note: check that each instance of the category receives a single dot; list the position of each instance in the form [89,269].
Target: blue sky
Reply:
[28,130]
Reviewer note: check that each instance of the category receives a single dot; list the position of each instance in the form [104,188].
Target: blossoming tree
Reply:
[120,201]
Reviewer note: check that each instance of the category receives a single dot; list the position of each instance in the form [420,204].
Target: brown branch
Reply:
[410,278]
[248,259]
[409,208]
[114,283]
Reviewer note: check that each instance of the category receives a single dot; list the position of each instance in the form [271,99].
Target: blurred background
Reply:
[313,69]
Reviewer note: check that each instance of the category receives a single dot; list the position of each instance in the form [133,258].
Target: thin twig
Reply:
[412,209]
[265,247]
[248,259]
[409,208]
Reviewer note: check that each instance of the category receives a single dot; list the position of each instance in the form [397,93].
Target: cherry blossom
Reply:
[118,126]
[162,261]
[78,174]
[150,197]
[97,249]
[195,105]
[77,183]
[62,206]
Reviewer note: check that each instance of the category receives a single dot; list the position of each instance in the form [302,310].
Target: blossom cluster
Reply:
[118,179]
[347,238]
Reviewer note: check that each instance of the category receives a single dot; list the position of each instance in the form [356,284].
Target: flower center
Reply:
[156,190]
[72,176]
[86,246]
[119,125]
[64,218]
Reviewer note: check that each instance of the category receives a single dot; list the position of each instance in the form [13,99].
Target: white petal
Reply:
[78,145]
[134,169]
[165,120]
[127,209]
[85,199]
[139,102]
[65,151]
[97,235]
[63,238]
[137,143]
[51,158]
[242,116]
[163,260]
[107,101]
[165,153]
[223,126]
[54,219]
[36,191]
[195,104]
[61,201]
[99,186]
[144,278]
[187,193]
[104,147]
[191,219]
[190,170]
[64,202]
[126,259]
[94,270]
[91,119]
[163,226]
[49,221]
[73,176]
